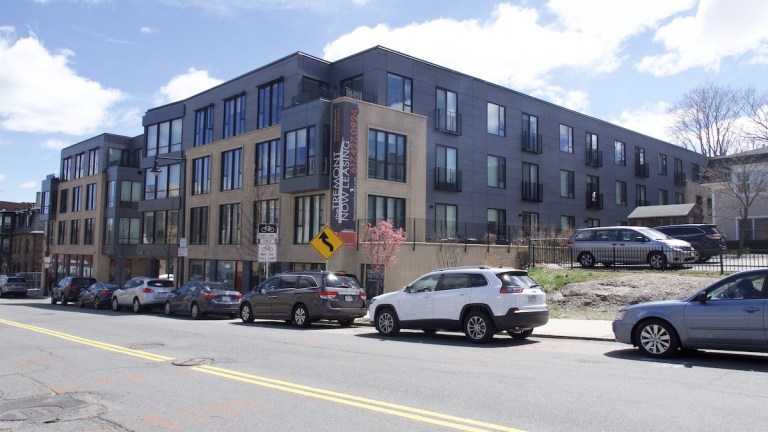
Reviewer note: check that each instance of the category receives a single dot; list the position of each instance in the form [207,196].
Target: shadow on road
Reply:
[736,361]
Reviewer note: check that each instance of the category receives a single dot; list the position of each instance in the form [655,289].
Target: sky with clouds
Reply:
[73,69]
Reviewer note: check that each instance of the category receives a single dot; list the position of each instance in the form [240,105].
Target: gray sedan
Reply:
[729,315]
[199,298]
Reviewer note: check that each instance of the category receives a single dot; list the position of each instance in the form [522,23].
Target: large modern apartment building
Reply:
[305,143]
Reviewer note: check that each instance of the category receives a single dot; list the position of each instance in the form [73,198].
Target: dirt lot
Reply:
[601,299]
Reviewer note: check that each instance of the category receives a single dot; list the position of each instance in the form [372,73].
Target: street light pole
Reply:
[178,271]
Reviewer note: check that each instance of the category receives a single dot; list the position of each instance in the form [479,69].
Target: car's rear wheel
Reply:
[115,304]
[520,334]
[167,309]
[586,259]
[478,327]
[656,338]
[346,322]
[657,260]
[96,303]
[301,316]
[697,255]
[53,299]
[136,305]
[80,302]
[387,323]
[63,300]
[246,313]
[195,311]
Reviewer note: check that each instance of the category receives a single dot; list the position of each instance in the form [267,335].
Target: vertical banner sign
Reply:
[344,169]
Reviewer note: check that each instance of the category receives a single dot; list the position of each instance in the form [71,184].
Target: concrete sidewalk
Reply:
[576,329]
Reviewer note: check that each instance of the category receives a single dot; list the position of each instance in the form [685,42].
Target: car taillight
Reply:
[362,294]
[327,295]
[209,296]
[715,236]
[569,243]
[238,296]
[147,290]
[511,290]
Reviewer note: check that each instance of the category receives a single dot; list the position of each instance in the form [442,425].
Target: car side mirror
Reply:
[702,297]
[263,290]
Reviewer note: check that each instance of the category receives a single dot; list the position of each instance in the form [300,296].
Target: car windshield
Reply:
[653,234]
[215,286]
[160,283]
[16,280]
[341,281]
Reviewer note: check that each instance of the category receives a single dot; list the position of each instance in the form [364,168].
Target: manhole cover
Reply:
[193,362]
[147,345]
[33,413]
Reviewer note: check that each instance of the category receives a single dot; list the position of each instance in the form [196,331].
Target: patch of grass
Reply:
[553,280]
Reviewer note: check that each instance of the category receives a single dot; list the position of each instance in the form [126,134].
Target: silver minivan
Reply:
[629,245]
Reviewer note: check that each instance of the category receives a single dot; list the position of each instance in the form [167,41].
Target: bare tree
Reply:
[739,182]
[755,109]
[706,119]
[449,254]
[380,244]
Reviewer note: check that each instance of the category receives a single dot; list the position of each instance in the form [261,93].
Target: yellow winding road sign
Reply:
[327,242]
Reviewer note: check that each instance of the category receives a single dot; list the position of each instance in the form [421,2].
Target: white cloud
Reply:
[229,7]
[185,85]
[147,30]
[2,177]
[42,94]
[585,35]
[55,144]
[718,30]
[30,185]
[653,120]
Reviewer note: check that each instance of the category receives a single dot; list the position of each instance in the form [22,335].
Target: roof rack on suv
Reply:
[481,267]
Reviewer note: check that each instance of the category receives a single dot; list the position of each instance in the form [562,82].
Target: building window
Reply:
[496,119]
[679,174]
[567,223]
[399,92]
[447,115]
[662,164]
[77,198]
[63,200]
[308,218]
[695,172]
[74,231]
[61,232]
[445,221]
[201,175]
[641,165]
[386,156]
[532,189]
[163,185]
[270,108]
[497,225]
[680,198]
[621,193]
[267,162]
[619,153]
[566,184]
[566,138]
[128,231]
[198,225]
[663,197]
[381,207]
[352,87]
[165,137]
[642,199]
[447,175]
[111,194]
[594,197]
[161,227]
[109,231]
[93,161]
[594,155]
[300,152]
[234,116]
[232,169]
[531,139]
[90,196]
[229,224]
[530,223]
[66,169]
[204,126]
[88,231]
[80,165]
[497,172]
[265,211]
[312,89]
[130,194]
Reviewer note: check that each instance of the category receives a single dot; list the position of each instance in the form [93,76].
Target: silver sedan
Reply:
[730,315]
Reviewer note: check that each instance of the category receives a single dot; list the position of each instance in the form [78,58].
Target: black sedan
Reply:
[98,295]
[199,298]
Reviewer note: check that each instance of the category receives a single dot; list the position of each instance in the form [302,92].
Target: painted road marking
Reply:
[403,411]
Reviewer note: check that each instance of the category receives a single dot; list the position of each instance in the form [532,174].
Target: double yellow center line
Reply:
[397,410]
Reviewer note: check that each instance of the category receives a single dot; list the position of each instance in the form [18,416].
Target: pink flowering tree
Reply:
[380,243]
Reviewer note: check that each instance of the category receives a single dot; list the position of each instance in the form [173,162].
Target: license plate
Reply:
[224,298]
[532,299]
[348,298]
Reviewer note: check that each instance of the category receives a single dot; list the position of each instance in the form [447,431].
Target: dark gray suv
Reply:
[706,240]
[304,297]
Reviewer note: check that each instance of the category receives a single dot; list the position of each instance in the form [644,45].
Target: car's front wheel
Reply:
[53,299]
[96,302]
[656,338]
[136,306]
[478,327]
[168,311]
[301,316]
[520,334]
[195,311]
[586,259]
[387,323]
[246,313]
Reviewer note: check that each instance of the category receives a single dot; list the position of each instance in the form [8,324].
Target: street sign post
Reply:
[327,242]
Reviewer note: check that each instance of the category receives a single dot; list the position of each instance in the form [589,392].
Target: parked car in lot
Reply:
[305,297]
[707,241]
[726,315]
[142,293]
[68,289]
[199,298]
[478,300]
[98,295]
[629,245]
[13,285]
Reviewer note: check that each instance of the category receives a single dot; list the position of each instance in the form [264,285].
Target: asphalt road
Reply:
[69,369]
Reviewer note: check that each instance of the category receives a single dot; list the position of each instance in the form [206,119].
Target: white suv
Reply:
[478,300]
[142,293]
